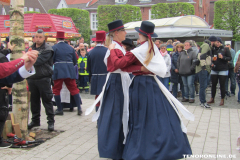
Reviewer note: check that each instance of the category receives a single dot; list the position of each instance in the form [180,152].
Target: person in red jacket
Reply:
[12,72]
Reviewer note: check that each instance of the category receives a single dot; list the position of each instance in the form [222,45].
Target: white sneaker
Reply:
[207,106]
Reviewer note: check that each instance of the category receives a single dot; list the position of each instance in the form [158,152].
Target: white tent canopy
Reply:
[182,27]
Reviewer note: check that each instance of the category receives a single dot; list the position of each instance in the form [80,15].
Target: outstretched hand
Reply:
[111,46]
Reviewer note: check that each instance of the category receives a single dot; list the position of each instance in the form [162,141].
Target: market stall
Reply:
[49,23]
[181,28]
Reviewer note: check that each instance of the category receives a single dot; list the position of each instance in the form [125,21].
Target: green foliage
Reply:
[108,13]
[226,17]
[28,12]
[164,10]
[79,17]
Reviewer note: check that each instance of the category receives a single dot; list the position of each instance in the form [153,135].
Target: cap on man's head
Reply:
[212,38]
[219,40]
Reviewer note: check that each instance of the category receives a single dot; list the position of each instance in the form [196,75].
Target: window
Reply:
[37,10]
[151,16]
[200,3]
[94,22]
[204,17]
[120,1]
[31,9]
[25,9]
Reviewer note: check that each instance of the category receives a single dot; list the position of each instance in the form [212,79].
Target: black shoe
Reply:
[185,100]
[58,112]
[71,109]
[5,145]
[80,112]
[33,124]
[51,127]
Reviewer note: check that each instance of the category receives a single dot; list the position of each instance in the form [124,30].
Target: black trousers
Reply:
[3,117]
[41,88]
[3,110]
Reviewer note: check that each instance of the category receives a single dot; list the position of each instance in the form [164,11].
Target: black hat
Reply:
[212,38]
[219,40]
[146,29]
[115,25]
[128,41]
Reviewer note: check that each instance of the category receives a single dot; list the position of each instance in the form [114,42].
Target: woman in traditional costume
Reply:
[113,111]
[156,131]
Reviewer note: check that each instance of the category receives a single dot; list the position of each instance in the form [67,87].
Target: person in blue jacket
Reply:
[96,67]
[64,60]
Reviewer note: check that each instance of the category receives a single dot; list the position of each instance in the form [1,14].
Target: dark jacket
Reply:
[221,64]
[64,60]
[185,63]
[97,66]
[175,77]
[44,63]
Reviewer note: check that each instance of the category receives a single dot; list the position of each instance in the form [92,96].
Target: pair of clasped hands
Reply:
[143,68]
[29,58]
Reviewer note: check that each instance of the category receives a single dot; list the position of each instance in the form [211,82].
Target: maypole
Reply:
[19,92]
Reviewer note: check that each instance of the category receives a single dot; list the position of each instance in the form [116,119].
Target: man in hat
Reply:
[64,60]
[203,69]
[40,83]
[96,67]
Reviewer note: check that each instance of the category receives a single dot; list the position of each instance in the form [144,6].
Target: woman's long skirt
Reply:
[110,129]
[154,127]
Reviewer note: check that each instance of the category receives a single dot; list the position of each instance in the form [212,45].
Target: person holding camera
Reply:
[220,57]
[186,68]
[203,68]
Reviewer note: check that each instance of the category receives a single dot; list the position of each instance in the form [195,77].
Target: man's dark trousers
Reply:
[232,77]
[203,76]
[41,88]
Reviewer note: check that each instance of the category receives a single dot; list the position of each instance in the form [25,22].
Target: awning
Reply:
[182,28]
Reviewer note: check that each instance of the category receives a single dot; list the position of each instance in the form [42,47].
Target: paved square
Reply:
[214,132]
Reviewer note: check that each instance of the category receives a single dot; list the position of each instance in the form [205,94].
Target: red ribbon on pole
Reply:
[149,36]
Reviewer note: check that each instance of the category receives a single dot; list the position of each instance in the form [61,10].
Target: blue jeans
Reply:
[231,75]
[189,89]
[175,89]
[239,92]
[165,82]
[203,82]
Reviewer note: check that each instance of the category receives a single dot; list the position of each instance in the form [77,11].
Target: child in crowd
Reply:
[83,80]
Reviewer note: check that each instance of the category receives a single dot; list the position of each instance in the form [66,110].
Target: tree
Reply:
[108,13]
[226,17]
[80,18]
[19,91]
[164,10]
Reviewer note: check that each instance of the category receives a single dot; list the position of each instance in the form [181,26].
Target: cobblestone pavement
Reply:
[213,133]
